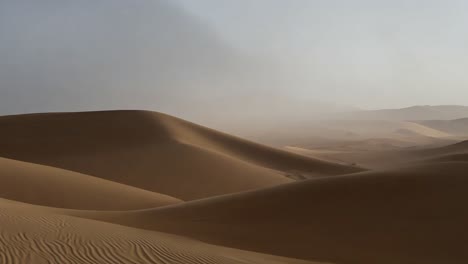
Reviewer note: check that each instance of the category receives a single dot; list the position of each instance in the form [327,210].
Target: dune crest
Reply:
[153,151]
[49,186]
[369,217]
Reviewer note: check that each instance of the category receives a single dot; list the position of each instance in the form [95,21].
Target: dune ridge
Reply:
[456,148]
[152,151]
[49,186]
[454,127]
[369,217]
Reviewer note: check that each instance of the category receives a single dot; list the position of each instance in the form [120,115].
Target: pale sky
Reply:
[203,59]
[368,53]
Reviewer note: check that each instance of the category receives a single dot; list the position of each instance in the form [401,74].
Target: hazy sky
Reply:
[369,53]
[201,59]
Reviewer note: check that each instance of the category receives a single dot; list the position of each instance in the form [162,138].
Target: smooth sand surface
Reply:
[153,151]
[460,147]
[385,153]
[43,185]
[345,132]
[463,157]
[408,215]
[454,127]
[145,187]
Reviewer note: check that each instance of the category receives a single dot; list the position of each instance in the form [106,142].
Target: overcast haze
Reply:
[370,53]
[212,60]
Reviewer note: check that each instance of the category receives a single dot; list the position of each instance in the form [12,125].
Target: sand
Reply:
[153,151]
[145,187]
[43,185]
[35,237]
[408,215]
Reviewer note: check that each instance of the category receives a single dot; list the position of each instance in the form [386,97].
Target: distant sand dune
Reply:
[415,129]
[386,153]
[463,157]
[460,147]
[454,127]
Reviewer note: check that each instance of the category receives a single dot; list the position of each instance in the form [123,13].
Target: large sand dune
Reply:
[153,151]
[409,215]
[454,127]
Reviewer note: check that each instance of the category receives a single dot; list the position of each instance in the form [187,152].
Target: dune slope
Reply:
[252,152]
[43,185]
[152,151]
[37,237]
[418,112]
[463,157]
[411,215]
[455,127]
[457,148]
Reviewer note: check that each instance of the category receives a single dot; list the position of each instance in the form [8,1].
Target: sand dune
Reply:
[366,129]
[43,185]
[457,148]
[35,237]
[454,127]
[108,187]
[326,154]
[419,112]
[363,135]
[415,129]
[410,215]
[452,152]
[252,152]
[372,144]
[362,125]
[152,151]
[400,142]
[450,157]
[405,156]
[375,153]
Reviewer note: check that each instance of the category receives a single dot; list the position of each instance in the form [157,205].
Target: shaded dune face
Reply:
[458,148]
[252,152]
[408,215]
[462,157]
[153,151]
[455,127]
